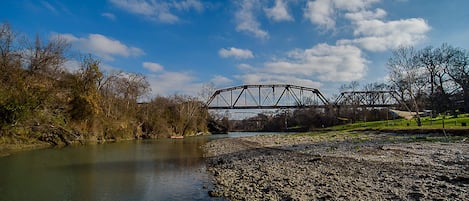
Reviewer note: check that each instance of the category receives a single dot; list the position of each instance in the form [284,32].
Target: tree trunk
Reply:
[466,99]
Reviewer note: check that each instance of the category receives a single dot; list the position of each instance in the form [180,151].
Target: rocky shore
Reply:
[340,166]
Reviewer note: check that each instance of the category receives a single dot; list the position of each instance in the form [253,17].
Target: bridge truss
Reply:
[367,99]
[275,96]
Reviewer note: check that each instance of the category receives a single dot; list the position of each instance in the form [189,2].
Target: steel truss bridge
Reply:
[367,99]
[275,96]
[285,96]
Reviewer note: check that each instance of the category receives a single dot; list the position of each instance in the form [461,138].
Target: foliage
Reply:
[40,100]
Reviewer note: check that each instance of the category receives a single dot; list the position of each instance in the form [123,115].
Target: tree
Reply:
[436,61]
[458,70]
[407,78]
[47,58]
[85,96]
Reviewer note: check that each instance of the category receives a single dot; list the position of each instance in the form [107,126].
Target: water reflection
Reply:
[145,170]
[168,169]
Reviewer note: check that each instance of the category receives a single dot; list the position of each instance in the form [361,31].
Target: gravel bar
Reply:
[338,167]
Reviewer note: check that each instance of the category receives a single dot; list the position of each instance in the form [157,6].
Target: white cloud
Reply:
[247,21]
[324,12]
[311,67]
[101,46]
[307,67]
[72,65]
[325,62]
[279,12]
[161,11]
[320,12]
[236,53]
[109,16]
[366,15]
[245,67]
[370,30]
[49,7]
[188,5]
[353,5]
[153,67]
[377,35]
[268,78]
[168,83]
[219,80]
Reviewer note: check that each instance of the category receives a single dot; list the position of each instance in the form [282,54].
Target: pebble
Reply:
[290,168]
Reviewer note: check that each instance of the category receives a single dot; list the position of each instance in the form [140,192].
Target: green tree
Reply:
[85,96]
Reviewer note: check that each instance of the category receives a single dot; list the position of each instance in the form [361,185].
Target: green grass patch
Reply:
[447,122]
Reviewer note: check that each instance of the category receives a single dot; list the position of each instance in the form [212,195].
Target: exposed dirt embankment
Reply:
[347,166]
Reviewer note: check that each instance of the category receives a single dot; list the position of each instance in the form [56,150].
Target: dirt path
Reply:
[338,168]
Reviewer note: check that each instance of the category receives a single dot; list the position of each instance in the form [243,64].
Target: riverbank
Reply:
[340,165]
[7,149]
[9,146]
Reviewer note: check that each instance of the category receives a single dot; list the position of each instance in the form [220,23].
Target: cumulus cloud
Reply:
[72,65]
[320,12]
[279,12]
[309,67]
[326,62]
[366,15]
[236,53]
[161,11]
[370,30]
[167,83]
[377,35]
[247,21]
[268,78]
[324,12]
[219,80]
[153,67]
[101,46]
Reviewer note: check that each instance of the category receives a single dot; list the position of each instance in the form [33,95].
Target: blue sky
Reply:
[181,45]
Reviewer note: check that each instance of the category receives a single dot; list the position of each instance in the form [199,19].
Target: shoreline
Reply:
[361,165]
[8,149]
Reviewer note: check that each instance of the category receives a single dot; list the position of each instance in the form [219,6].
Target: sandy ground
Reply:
[343,166]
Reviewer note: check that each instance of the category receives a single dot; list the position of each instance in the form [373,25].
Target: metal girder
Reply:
[367,99]
[266,97]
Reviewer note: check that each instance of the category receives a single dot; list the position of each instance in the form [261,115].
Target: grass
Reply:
[401,130]
[450,122]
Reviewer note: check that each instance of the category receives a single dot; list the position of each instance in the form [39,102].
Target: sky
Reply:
[182,45]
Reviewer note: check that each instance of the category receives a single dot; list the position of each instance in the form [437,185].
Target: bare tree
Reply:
[458,70]
[407,77]
[47,58]
[10,59]
[436,61]
[207,91]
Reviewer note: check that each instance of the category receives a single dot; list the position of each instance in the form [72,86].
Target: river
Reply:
[166,169]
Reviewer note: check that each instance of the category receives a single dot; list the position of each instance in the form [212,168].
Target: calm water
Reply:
[138,170]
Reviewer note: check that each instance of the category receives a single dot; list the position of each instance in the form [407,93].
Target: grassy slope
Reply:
[403,124]
[430,131]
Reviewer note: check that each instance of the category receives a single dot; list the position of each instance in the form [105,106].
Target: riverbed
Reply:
[340,166]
